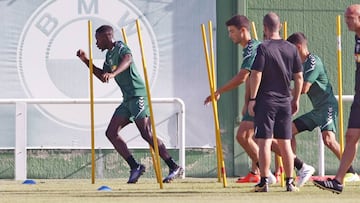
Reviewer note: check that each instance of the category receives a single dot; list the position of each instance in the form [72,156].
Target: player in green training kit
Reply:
[134,108]
[325,107]
[239,31]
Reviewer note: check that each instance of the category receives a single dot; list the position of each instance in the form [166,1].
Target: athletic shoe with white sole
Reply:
[175,173]
[351,177]
[136,173]
[304,174]
[261,188]
[249,178]
[331,185]
[290,187]
[272,179]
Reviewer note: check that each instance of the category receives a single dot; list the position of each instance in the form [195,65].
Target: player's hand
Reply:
[294,106]
[81,54]
[108,76]
[251,106]
[244,109]
[208,99]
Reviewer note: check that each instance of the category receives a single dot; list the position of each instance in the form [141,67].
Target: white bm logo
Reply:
[46,60]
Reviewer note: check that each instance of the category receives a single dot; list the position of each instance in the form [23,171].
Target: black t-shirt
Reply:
[357,61]
[277,60]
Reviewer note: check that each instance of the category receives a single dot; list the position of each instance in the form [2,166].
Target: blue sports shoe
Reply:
[136,173]
[174,173]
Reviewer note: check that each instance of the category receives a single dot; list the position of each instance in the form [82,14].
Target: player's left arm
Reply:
[298,84]
[305,88]
[311,73]
[125,64]
[255,79]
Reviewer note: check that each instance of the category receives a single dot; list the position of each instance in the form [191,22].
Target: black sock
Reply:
[337,181]
[132,163]
[289,180]
[351,170]
[171,163]
[298,163]
[263,181]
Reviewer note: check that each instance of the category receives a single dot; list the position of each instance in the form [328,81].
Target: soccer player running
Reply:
[325,106]
[239,32]
[277,62]
[119,65]
[352,19]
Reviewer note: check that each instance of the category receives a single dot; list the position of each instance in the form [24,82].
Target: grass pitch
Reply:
[147,190]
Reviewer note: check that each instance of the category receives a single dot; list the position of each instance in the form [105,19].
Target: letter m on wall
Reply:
[88,6]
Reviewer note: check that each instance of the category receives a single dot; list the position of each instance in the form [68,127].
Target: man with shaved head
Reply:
[352,19]
[277,63]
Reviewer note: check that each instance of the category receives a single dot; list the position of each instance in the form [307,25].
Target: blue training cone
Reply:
[29,182]
[104,188]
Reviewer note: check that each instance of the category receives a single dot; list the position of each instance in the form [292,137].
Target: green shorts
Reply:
[247,117]
[325,118]
[134,108]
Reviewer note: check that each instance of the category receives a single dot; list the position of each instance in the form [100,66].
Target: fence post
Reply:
[20,141]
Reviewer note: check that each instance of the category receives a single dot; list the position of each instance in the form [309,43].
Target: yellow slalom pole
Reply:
[123,31]
[216,119]
[91,104]
[339,63]
[253,30]
[279,159]
[212,75]
[212,58]
[157,160]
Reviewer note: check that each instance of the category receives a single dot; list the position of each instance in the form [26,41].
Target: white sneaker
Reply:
[351,177]
[271,178]
[304,174]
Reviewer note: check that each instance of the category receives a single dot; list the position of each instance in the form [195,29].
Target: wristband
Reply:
[252,99]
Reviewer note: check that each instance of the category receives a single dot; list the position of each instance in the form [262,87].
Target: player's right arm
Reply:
[237,80]
[97,71]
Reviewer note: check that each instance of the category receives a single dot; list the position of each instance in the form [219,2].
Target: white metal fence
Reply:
[21,126]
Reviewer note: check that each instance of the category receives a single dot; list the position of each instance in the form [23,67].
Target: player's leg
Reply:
[116,124]
[300,124]
[244,137]
[305,122]
[140,112]
[144,126]
[330,141]
[352,138]
[336,185]
[305,171]
[283,134]
[264,122]
[350,149]
[328,130]
[118,121]
[293,139]
[264,163]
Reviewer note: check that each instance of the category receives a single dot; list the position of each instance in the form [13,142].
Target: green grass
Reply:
[147,190]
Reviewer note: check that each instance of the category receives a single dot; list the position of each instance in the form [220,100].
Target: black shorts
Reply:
[354,118]
[273,118]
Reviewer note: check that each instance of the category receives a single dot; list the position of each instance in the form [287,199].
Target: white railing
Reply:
[345,98]
[21,126]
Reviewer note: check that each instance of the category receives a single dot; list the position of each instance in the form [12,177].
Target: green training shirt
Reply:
[249,53]
[315,73]
[129,81]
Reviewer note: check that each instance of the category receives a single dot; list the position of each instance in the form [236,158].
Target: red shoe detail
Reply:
[249,178]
